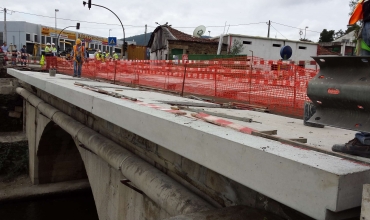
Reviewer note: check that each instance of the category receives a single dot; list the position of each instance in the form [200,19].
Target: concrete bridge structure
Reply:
[145,160]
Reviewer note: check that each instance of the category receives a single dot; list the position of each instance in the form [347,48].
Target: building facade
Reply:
[269,48]
[166,43]
[35,36]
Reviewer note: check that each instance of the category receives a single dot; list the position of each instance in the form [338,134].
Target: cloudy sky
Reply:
[247,17]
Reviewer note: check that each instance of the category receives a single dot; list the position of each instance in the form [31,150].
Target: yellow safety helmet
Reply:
[78,41]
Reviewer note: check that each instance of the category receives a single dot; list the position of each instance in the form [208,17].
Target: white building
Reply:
[344,45]
[269,48]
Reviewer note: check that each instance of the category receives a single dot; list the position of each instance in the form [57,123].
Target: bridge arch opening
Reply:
[58,157]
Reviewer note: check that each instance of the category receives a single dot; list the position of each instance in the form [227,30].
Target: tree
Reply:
[339,34]
[352,5]
[326,36]
[236,48]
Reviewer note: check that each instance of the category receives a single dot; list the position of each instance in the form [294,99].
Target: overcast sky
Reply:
[247,17]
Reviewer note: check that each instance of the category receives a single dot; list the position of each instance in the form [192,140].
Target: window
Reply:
[55,41]
[96,46]
[99,47]
[1,38]
[302,48]
[247,42]
[35,38]
[28,37]
[48,39]
[276,45]
[43,39]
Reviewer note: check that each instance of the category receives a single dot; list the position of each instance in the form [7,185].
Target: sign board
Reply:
[185,57]
[112,41]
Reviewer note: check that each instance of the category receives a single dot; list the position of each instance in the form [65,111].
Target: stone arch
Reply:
[58,157]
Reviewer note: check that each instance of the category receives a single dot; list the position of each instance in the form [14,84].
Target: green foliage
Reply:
[13,158]
[327,36]
[237,47]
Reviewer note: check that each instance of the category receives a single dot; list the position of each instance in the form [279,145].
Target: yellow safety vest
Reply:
[97,56]
[115,56]
[47,50]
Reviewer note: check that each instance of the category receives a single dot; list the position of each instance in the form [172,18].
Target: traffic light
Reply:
[88,4]
[78,26]
[125,46]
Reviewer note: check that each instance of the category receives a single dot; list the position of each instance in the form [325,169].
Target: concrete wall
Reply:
[263,47]
[117,201]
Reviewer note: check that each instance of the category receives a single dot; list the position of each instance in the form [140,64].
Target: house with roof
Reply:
[166,42]
[345,45]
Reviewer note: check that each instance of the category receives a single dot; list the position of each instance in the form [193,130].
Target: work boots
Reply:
[353,147]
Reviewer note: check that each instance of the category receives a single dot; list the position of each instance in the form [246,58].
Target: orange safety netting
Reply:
[278,85]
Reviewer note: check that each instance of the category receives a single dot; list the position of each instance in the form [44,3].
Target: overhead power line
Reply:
[295,27]
[278,31]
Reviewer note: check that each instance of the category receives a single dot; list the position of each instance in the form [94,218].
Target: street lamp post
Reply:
[57,43]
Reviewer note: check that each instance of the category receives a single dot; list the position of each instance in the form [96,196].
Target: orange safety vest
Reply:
[82,52]
[357,13]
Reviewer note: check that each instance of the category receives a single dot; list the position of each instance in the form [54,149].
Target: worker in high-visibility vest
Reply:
[48,55]
[115,55]
[98,55]
[103,57]
[360,145]
[362,12]
[107,55]
[78,56]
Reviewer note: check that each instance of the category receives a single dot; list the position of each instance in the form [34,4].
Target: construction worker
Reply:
[24,56]
[54,56]
[115,55]
[78,54]
[360,145]
[107,55]
[53,49]
[362,12]
[103,57]
[48,54]
[98,55]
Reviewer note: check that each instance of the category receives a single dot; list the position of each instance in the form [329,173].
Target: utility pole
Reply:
[145,32]
[268,32]
[5,32]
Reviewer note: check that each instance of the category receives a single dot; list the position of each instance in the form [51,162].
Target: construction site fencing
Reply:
[278,85]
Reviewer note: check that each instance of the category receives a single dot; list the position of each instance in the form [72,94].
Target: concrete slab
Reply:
[288,128]
[365,206]
[305,180]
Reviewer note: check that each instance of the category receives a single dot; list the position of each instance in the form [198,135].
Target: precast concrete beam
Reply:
[305,180]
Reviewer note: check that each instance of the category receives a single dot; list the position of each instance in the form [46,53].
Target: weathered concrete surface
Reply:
[53,154]
[365,205]
[9,137]
[229,213]
[307,181]
[22,188]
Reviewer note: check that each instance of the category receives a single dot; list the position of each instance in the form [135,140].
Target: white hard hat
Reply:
[47,43]
[52,44]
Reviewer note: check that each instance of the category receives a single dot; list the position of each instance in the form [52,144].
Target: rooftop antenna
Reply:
[209,32]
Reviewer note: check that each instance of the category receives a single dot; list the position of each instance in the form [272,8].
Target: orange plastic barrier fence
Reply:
[280,86]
